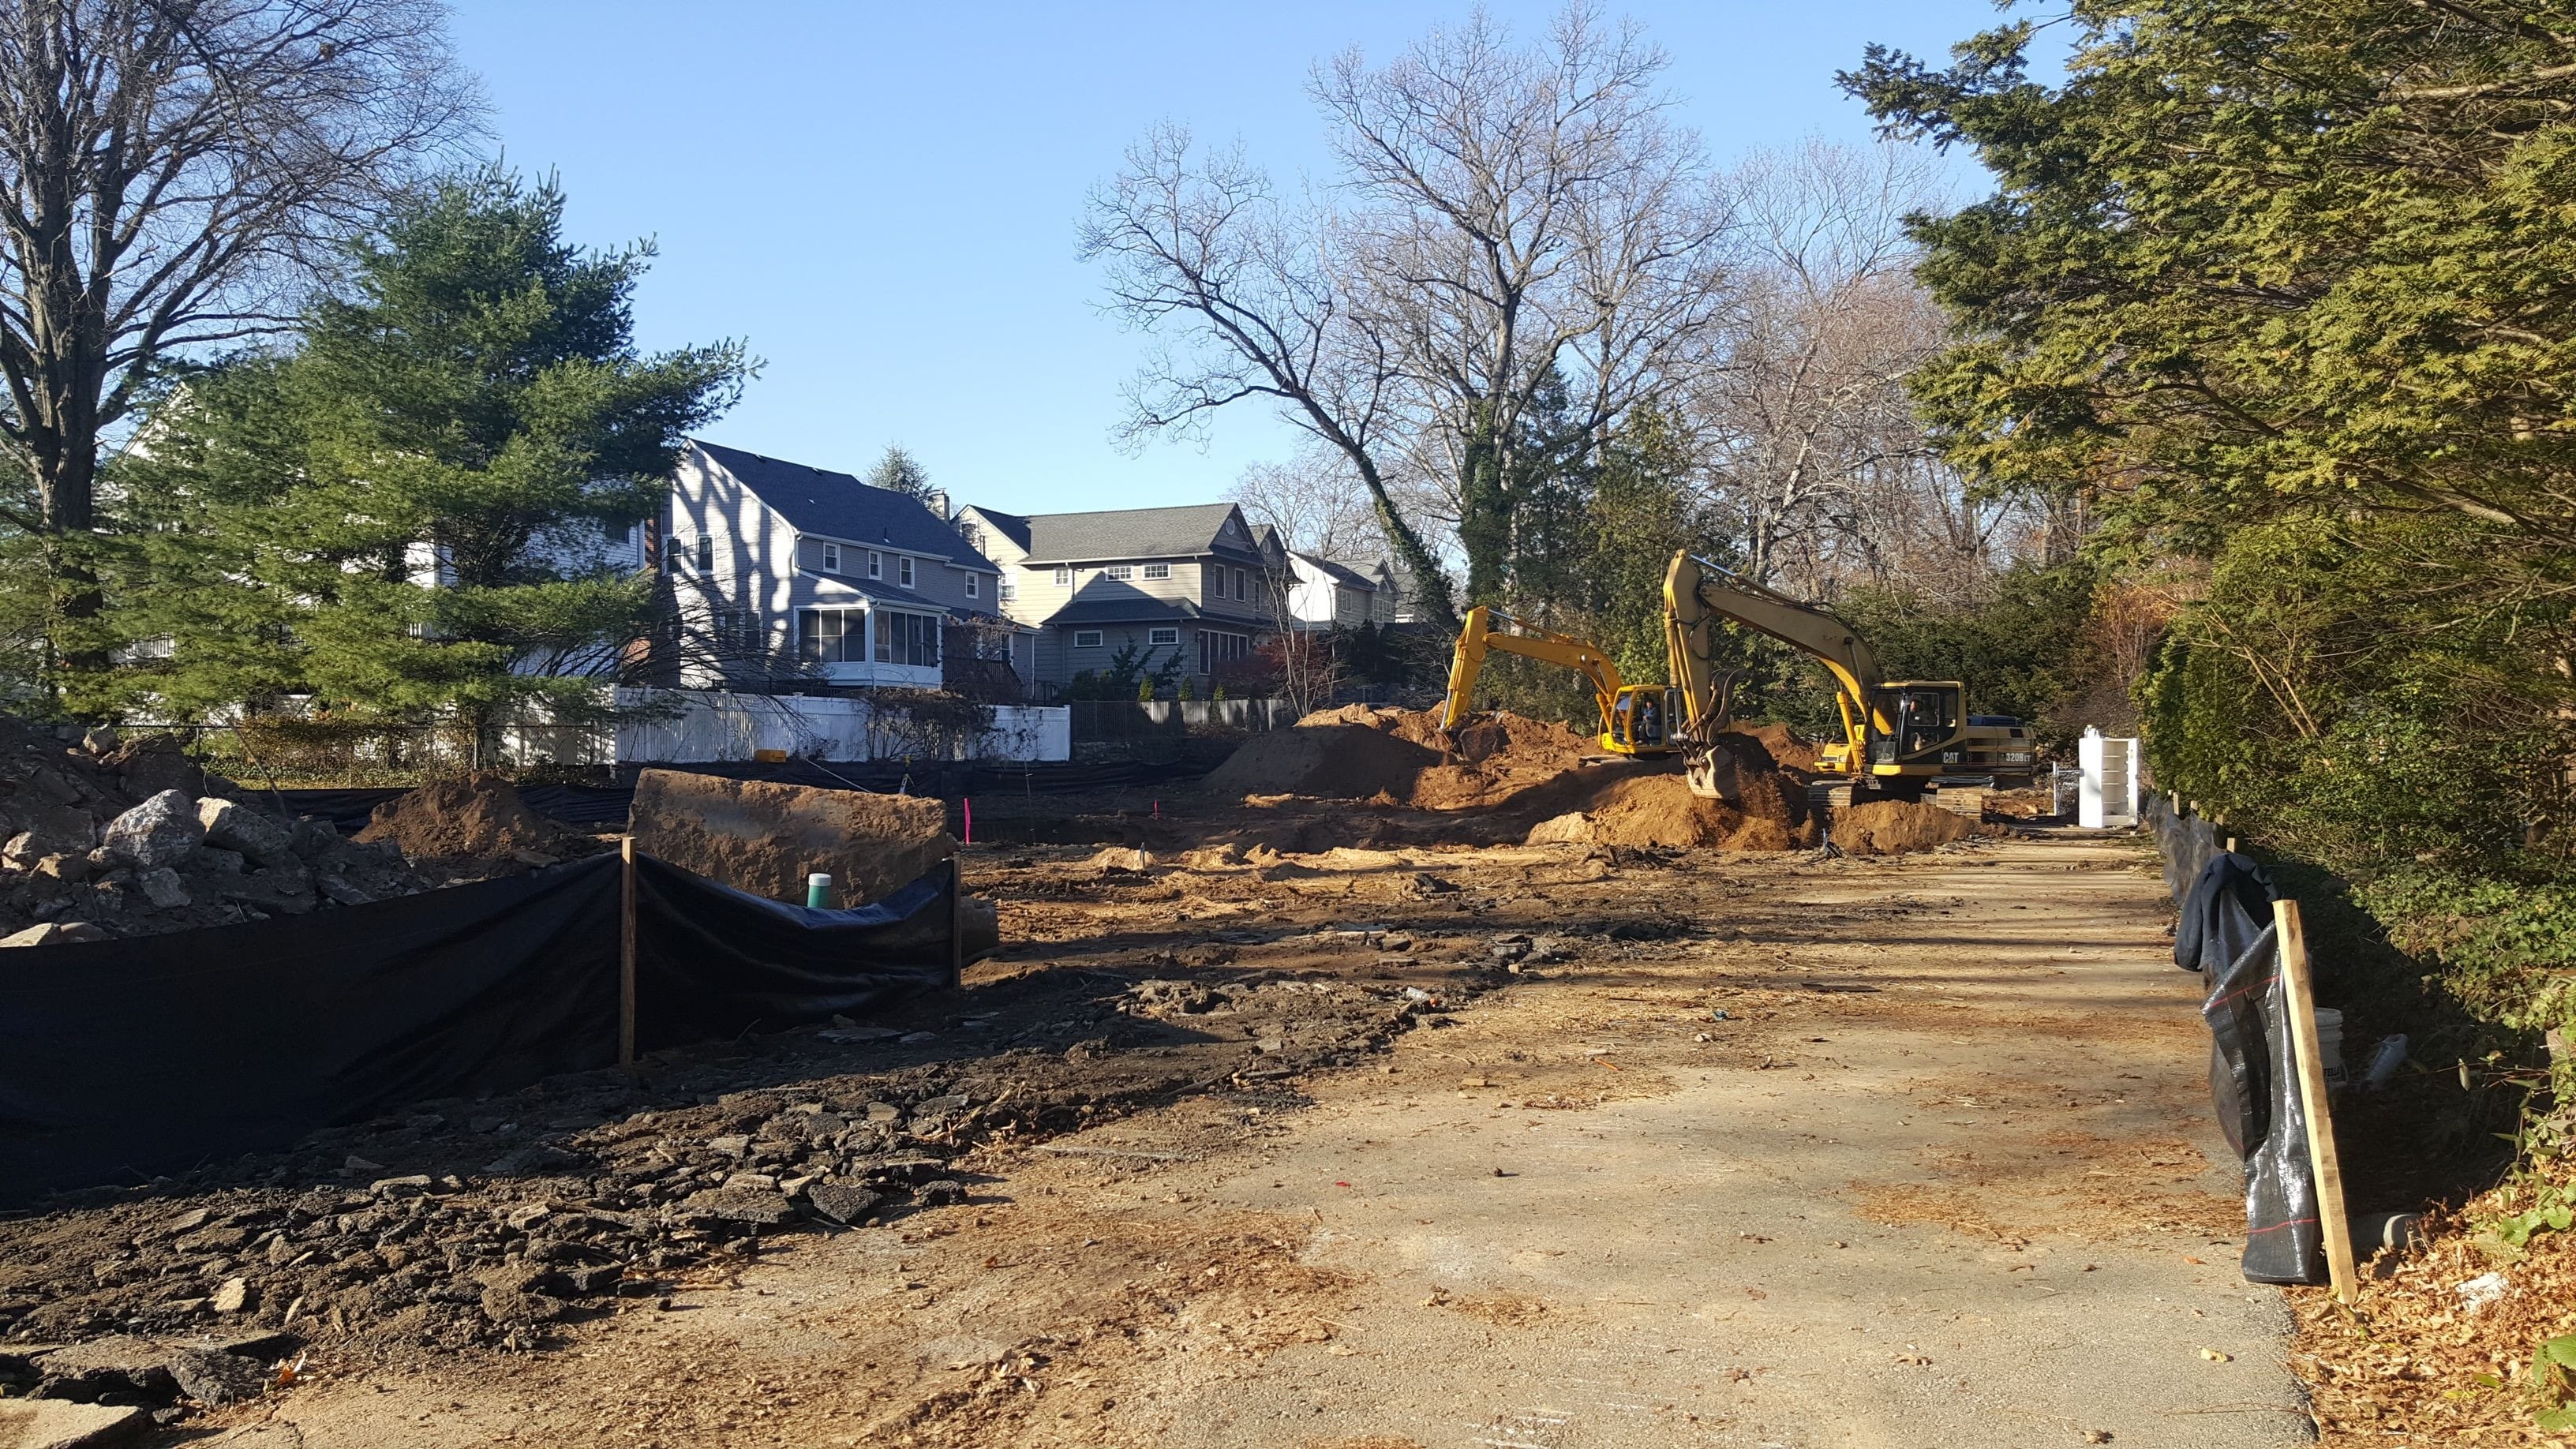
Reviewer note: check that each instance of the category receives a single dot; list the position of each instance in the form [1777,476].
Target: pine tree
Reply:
[402,516]
[899,472]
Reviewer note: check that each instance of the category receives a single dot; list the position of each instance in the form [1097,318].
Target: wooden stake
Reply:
[956,922]
[2298,1000]
[626,953]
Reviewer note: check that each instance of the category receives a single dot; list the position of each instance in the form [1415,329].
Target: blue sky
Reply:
[882,200]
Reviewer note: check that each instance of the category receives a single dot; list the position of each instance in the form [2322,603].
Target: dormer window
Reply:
[1119,571]
[831,558]
[1158,571]
[904,563]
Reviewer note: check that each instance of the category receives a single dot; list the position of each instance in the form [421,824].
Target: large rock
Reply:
[61,1424]
[766,838]
[55,933]
[151,1369]
[163,830]
[235,826]
[153,764]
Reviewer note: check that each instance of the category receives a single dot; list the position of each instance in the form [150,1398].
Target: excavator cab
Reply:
[1642,719]
[1926,718]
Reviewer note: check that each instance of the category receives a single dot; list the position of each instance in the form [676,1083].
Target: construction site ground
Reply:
[1752,1149]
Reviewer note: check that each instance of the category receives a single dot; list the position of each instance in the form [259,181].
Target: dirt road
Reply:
[1780,1152]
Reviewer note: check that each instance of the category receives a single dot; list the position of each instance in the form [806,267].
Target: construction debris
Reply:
[108,837]
[481,1222]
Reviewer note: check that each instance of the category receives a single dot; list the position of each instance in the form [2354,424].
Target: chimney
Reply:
[936,500]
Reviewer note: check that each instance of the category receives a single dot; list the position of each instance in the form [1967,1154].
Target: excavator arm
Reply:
[1478,638]
[1698,593]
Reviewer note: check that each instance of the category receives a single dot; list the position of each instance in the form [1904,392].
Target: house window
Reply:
[1119,571]
[1239,590]
[911,639]
[1063,575]
[1164,636]
[876,564]
[832,636]
[904,564]
[1086,638]
[974,586]
[706,553]
[1006,588]
[831,558]
[1158,571]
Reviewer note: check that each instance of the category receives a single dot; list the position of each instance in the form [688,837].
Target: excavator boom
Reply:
[1698,593]
[1632,715]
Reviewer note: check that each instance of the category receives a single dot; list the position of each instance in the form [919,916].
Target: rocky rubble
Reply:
[482,1222]
[111,838]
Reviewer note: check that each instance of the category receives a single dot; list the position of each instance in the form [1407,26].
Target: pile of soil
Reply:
[1660,811]
[1787,751]
[1396,757]
[1332,761]
[1893,827]
[766,838]
[478,815]
[1535,780]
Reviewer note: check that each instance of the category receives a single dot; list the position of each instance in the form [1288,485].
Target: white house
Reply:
[773,562]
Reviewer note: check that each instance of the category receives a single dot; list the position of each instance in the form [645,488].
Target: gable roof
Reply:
[837,505]
[1340,573]
[1186,531]
[1010,525]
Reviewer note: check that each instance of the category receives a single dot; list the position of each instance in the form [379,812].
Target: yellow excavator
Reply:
[1898,734]
[1636,719]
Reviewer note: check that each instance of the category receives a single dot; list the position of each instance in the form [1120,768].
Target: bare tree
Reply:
[1311,501]
[169,171]
[1812,445]
[1517,230]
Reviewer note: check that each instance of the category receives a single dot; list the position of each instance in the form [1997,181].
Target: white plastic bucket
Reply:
[2330,1044]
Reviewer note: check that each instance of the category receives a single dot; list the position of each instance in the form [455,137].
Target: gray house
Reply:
[1193,583]
[787,573]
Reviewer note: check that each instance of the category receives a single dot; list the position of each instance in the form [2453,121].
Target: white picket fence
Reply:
[705,726]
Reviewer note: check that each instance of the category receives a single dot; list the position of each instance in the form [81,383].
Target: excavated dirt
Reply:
[1893,827]
[1513,779]
[1787,751]
[766,838]
[1660,811]
[463,816]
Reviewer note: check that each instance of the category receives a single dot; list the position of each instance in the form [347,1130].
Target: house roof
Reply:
[837,505]
[1124,611]
[1341,573]
[1010,525]
[1117,533]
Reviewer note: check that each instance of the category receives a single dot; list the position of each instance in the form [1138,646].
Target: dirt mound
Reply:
[766,838]
[1660,810]
[471,815]
[1530,777]
[1893,827]
[1326,757]
[1398,757]
[1787,751]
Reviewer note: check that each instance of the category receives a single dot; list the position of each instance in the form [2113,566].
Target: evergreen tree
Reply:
[403,515]
[899,472]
